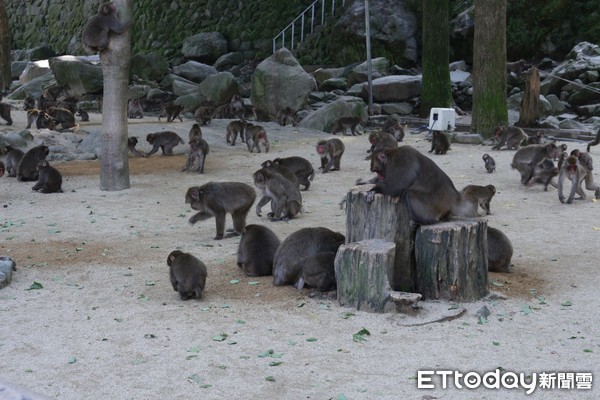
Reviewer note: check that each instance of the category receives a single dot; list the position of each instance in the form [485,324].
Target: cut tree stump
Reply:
[451,260]
[362,278]
[385,218]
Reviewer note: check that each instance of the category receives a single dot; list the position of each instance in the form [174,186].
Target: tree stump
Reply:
[529,111]
[451,260]
[362,277]
[385,218]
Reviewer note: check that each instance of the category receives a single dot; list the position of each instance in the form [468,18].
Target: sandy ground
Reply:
[107,324]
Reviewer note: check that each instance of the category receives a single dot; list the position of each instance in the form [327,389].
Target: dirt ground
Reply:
[106,323]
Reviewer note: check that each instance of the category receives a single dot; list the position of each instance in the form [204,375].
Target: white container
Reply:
[442,119]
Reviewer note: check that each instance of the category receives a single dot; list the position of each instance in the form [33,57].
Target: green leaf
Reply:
[234,281]
[72,360]
[275,363]
[347,315]
[526,309]
[195,378]
[195,349]
[150,336]
[220,338]
[266,353]
[143,297]
[241,321]
[496,283]
[150,283]
[270,379]
[566,304]
[311,339]
[359,336]
[253,283]
[496,343]
[35,286]
[587,351]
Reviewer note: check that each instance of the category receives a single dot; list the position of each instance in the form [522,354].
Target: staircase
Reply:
[313,16]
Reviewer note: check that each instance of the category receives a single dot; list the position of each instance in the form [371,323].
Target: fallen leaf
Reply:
[35,285]
[270,379]
[220,338]
[311,339]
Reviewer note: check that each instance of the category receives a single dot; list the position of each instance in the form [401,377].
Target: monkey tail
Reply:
[312,175]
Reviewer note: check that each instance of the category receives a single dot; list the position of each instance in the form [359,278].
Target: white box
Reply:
[442,119]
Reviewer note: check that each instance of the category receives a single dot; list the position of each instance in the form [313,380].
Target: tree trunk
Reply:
[114,163]
[5,45]
[436,71]
[451,260]
[489,67]
[529,110]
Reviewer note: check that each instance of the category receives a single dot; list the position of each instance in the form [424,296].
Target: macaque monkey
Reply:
[285,198]
[544,172]
[256,250]
[28,103]
[134,109]
[394,128]
[64,117]
[500,250]
[479,196]
[2,169]
[187,274]
[317,272]
[97,30]
[381,140]
[13,156]
[198,151]
[440,143]
[527,158]
[5,113]
[171,111]
[301,167]
[233,129]
[164,140]
[85,117]
[216,199]
[342,124]
[490,163]
[576,173]
[260,115]
[41,118]
[538,138]
[131,143]
[203,115]
[280,169]
[195,133]
[331,152]
[49,178]
[222,111]
[236,106]
[304,243]
[595,141]
[512,136]
[256,135]
[27,168]
[585,160]
[285,116]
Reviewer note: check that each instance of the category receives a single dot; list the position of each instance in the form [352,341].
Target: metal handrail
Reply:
[292,25]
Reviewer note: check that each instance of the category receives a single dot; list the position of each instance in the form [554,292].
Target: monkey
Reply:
[13,156]
[526,158]
[42,119]
[427,192]
[218,198]
[195,133]
[260,115]
[440,143]
[512,136]
[576,173]
[134,109]
[96,32]
[5,113]
[585,159]
[28,103]
[255,135]
[285,116]
[285,198]
[500,250]
[171,111]
[131,143]
[343,123]
[305,242]
[203,115]
[188,275]
[317,272]
[300,167]
[331,152]
[394,128]
[49,178]
[233,128]
[381,140]
[68,105]
[479,196]
[538,138]
[490,163]
[222,111]
[236,106]
[561,148]
[166,140]
[27,166]
[2,169]
[85,117]
[595,141]
[256,250]
[283,171]
[198,151]
[64,117]
[544,172]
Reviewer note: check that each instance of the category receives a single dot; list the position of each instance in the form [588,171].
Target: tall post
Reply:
[369,66]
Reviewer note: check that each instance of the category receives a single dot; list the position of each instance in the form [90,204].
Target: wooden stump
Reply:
[385,218]
[362,277]
[451,260]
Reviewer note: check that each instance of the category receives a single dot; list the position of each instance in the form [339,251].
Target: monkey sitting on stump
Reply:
[49,179]
[96,32]
[256,250]
[331,152]
[188,274]
[381,140]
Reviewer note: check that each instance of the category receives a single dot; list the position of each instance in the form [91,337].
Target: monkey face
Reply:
[321,148]
[259,180]
[150,138]
[378,161]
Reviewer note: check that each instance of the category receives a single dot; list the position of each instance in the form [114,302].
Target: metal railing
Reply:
[302,20]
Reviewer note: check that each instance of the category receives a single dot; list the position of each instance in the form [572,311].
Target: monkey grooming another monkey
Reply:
[595,141]
[131,143]
[164,140]
[331,152]
[318,272]
[301,167]
[256,135]
[304,243]
[490,163]
[512,136]
[500,250]
[97,30]
[342,124]
[5,113]
[134,109]
[49,179]
[440,143]
[527,158]
[216,199]
[285,198]
[233,129]
[198,151]
[13,156]
[256,250]
[171,111]
[27,167]
[479,196]
[187,274]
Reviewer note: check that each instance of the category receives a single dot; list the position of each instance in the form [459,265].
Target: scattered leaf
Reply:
[496,283]
[275,363]
[241,321]
[359,336]
[150,283]
[253,283]
[143,297]
[195,378]
[526,310]
[482,320]
[587,351]
[192,356]
[221,366]
[311,339]
[566,304]
[150,336]
[347,315]
[496,343]
[220,338]
[35,286]
[234,281]
[270,378]
[72,360]
[231,342]
[300,305]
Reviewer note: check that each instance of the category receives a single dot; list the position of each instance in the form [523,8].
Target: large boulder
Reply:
[394,88]
[582,58]
[323,118]
[77,76]
[33,88]
[219,88]
[379,68]
[206,47]
[279,82]
[149,66]
[34,69]
[17,68]
[194,71]
[229,60]
[181,87]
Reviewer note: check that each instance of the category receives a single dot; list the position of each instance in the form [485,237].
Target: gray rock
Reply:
[91,144]
[137,91]
[513,102]
[15,139]
[194,71]
[459,76]
[322,74]
[33,88]
[459,66]
[219,88]
[397,108]
[550,122]
[379,67]
[42,52]
[544,106]
[394,88]
[78,76]
[17,68]
[150,66]
[323,118]
[467,138]
[192,101]
[34,69]
[205,47]
[228,60]
[181,87]
[571,124]
[332,84]
[590,110]
[557,106]
[583,96]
